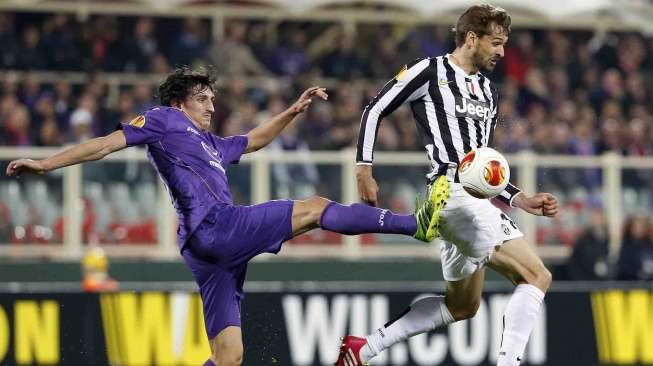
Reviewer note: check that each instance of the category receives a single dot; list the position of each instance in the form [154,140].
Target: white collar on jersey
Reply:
[459,69]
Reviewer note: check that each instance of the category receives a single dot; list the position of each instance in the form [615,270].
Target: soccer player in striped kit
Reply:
[455,107]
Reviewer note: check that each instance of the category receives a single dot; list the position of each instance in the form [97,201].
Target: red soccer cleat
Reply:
[350,351]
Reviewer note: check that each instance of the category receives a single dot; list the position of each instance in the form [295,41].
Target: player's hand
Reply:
[368,190]
[541,204]
[17,167]
[305,99]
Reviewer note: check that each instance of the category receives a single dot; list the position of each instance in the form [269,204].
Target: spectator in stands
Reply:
[636,256]
[343,62]
[433,40]
[49,134]
[233,56]
[142,47]
[290,57]
[30,52]
[16,126]
[559,47]
[82,119]
[611,139]
[44,123]
[59,42]
[159,64]
[8,102]
[589,259]
[9,41]
[191,45]
[317,126]
[534,90]
[520,56]
[30,91]
[260,41]
[81,125]
[125,111]
[142,94]
[62,101]
[636,91]
[384,57]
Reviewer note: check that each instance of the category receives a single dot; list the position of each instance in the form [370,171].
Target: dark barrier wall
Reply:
[303,327]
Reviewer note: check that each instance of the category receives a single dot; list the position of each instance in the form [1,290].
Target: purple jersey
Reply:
[191,163]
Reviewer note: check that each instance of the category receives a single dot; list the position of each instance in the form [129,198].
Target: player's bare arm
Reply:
[262,135]
[368,189]
[93,149]
[541,204]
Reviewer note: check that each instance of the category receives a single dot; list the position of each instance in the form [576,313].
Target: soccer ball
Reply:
[484,172]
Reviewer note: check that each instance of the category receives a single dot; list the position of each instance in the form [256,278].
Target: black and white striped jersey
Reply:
[454,112]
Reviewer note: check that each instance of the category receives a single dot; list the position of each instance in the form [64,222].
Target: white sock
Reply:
[518,320]
[422,316]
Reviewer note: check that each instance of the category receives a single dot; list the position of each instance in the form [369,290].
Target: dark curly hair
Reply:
[180,84]
[478,19]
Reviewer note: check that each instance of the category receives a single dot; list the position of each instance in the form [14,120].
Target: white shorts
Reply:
[470,229]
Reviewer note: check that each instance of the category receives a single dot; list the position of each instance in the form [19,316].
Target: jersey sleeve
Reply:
[509,194]
[232,147]
[411,83]
[144,129]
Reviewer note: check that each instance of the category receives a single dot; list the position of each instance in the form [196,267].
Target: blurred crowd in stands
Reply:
[561,92]
[571,92]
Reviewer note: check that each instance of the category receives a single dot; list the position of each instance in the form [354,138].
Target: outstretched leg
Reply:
[359,219]
[461,302]
[350,220]
[516,260]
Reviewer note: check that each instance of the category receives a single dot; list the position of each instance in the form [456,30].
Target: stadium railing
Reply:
[254,181]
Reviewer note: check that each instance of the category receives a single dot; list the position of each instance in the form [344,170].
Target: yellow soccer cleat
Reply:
[428,213]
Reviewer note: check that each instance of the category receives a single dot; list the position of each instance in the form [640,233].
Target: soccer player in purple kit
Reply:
[216,237]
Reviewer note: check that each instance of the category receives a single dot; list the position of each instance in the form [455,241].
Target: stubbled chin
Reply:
[489,67]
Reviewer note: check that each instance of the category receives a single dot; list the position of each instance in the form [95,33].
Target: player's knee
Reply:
[543,278]
[465,311]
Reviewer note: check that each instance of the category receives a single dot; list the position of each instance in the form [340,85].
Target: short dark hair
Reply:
[478,19]
[178,85]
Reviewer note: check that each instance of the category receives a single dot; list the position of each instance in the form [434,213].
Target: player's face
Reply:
[489,49]
[199,106]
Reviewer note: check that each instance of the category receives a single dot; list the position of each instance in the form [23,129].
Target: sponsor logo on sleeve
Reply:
[137,122]
[401,74]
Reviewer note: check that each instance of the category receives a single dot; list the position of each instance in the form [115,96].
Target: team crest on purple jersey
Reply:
[214,155]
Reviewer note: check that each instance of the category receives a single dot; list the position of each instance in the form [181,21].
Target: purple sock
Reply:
[208,363]
[360,219]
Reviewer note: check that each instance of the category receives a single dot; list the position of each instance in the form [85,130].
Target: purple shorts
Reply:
[218,251]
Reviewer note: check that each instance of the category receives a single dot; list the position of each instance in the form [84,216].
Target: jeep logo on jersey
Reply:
[473,109]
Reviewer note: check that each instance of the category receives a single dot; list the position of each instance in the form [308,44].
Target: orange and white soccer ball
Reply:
[484,172]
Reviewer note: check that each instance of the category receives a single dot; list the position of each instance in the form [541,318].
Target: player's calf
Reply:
[464,311]
[232,356]
[227,347]
[306,214]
